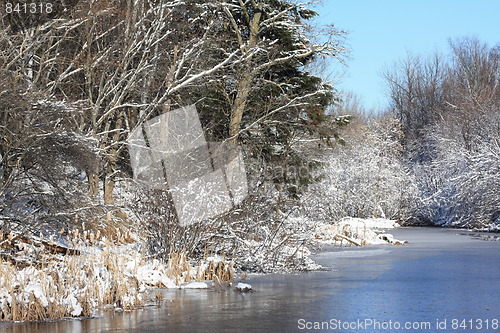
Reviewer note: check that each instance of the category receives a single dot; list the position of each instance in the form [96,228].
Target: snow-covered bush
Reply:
[259,235]
[43,162]
[450,109]
[365,178]
[460,186]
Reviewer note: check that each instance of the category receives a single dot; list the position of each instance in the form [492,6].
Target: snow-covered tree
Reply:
[243,62]
[43,158]
[365,178]
[449,108]
[460,185]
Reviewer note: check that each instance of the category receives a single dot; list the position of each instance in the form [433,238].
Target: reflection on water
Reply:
[439,275]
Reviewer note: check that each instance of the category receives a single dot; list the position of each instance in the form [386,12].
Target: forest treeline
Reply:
[77,81]
[434,156]
[449,110]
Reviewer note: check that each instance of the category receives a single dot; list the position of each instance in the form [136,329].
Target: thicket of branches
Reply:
[75,83]
[366,176]
[434,158]
[449,108]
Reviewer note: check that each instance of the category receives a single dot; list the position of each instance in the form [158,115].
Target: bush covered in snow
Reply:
[365,178]
[259,235]
[460,185]
[449,107]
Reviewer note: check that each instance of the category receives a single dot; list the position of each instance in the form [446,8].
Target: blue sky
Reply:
[381,32]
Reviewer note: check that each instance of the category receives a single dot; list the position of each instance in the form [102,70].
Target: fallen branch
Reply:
[54,248]
[350,240]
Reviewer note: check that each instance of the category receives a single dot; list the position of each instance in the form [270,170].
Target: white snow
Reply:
[243,286]
[357,231]
[152,277]
[196,285]
[372,223]
[36,289]
[73,305]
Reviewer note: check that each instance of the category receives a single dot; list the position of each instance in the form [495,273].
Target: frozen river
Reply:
[443,281]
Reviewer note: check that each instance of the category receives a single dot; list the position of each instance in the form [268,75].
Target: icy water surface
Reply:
[443,281]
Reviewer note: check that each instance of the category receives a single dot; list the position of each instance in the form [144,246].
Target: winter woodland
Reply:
[80,83]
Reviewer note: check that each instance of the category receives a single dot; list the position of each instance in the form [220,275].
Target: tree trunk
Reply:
[245,82]
[112,158]
[240,102]
[93,180]
[109,185]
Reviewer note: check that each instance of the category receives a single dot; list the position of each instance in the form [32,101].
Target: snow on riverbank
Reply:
[119,276]
[109,275]
[357,231]
[244,287]
[373,223]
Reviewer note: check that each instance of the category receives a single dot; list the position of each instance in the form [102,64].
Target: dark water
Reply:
[443,281]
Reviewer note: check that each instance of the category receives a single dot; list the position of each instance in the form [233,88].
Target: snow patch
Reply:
[243,286]
[73,305]
[150,276]
[196,285]
[36,289]
[372,223]
[357,231]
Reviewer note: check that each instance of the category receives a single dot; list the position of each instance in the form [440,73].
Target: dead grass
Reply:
[179,267]
[217,269]
[74,286]
[98,267]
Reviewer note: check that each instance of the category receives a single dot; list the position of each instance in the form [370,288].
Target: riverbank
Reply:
[95,272]
[116,276]
[440,275]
